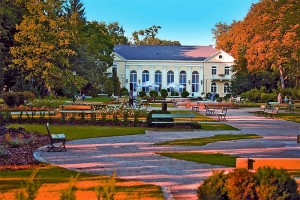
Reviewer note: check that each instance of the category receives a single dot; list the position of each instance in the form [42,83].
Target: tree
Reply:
[270,36]
[148,37]
[75,7]
[117,33]
[117,84]
[43,43]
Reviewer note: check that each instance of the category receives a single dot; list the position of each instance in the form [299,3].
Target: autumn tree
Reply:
[117,33]
[270,35]
[43,43]
[148,36]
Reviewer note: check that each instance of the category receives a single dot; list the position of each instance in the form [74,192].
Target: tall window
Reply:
[158,79]
[133,80]
[213,87]
[227,70]
[213,70]
[145,78]
[170,79]
[195,81]
[182,80]
[226,88]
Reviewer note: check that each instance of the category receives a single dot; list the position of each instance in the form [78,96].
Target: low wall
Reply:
[255,163]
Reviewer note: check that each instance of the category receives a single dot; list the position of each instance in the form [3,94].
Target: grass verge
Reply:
[56,178]
[209,158]
[83,132]
[207,140]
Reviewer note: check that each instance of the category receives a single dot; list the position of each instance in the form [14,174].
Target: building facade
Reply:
[197,69]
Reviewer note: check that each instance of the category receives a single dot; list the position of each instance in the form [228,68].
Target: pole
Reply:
[73,86]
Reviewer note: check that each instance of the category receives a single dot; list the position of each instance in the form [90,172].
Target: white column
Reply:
[201,78]
[127,77]
[164,77]
[189,78]
[151,75]
[139,75]
[176,74]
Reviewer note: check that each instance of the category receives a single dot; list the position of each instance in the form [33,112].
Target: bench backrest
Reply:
[173,116]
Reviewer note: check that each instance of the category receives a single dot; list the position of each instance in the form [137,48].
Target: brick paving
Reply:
[133,157]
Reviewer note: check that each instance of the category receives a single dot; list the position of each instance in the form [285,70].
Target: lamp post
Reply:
[73,86]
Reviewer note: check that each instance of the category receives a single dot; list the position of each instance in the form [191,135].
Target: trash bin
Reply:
[164,106]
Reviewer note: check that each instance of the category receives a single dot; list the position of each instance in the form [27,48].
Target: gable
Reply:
[220,56]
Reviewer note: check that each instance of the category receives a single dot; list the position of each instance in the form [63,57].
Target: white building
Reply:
[200,69]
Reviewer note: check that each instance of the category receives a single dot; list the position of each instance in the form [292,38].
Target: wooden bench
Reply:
[156,118]
[272,113]
[260,111]
[59,138]
[272,104]
[222,114]
[209,111]
[291,108]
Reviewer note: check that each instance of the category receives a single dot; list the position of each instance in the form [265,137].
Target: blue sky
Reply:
[188,21]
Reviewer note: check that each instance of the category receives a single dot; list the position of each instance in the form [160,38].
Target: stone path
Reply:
[133,157]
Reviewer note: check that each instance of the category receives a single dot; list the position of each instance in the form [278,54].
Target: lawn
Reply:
[82,132]
[289,117]
[209,158]
[55,179]
[199,117]
[207,140]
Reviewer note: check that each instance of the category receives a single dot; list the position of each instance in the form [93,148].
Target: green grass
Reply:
[199,117]
[10,180]
[289,117]
[82,132]
[207,140]
[213,159]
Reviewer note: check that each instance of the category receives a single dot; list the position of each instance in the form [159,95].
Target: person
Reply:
[279,98]
[290,101]
[83,97]
[131,98]
[231,99]
[213,96]
[286,99]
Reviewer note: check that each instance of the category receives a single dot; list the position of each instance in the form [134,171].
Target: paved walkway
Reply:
[134,156]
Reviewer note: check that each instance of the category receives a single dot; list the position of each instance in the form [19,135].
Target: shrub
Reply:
[153,93]
[208,95]
[124,91]
[174,93]
[164,93]
[142,94]
[276,184]
[241,184]
[184,94]
[213,187]
[10,99]
[29,96]
[196,125]
[21,98]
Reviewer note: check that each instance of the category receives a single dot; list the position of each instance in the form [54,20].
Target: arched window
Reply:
[195,81]
[213,70]
[158,79]
[227,69]
[182,80]
[170,77]
[133,80]
[145,78]
[226,88]
[213,87]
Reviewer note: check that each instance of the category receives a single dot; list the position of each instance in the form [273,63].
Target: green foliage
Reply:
[266,183]
[174,93]
[276,184]
[32,187]
[108,188]
[184,94]
[69,193]
[213,188]
[142,94]
[124,91]
[260,95]
[153,93]
[164,93]
[11,99]
[241,184]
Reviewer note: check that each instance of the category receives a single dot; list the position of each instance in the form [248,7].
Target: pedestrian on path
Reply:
[279,98]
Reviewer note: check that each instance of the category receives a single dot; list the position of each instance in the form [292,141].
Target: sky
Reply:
[187,21]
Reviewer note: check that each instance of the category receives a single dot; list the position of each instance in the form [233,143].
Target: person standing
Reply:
[279,98]
[131,98]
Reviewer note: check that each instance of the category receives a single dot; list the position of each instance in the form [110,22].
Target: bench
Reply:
[222,114]
[209,111]
[156,118]
[291,108]
[76,107]
[272,104]
[260,111]
[59,138]
[272,112]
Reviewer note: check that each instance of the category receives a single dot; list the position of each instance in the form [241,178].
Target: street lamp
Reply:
[73,86]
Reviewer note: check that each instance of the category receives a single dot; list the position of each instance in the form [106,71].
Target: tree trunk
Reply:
[281,77]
